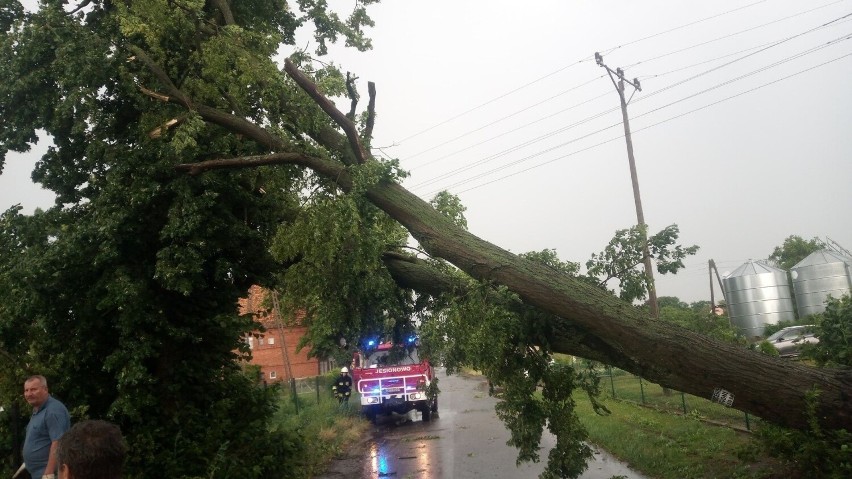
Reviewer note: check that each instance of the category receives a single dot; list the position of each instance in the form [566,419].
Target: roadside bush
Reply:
[766,347]
[816,452]
[813,452]
[835,334]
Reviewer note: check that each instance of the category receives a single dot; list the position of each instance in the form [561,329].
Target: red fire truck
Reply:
[391,380]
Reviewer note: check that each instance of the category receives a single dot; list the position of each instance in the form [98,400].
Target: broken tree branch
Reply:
[328,168]
[161,75]
[371,112]
[328,107]
[353,95]
[225,9]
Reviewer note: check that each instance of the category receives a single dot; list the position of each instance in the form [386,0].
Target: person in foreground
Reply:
[48,423]
[91,449]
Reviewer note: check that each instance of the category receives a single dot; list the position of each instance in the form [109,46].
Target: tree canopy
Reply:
[124,294]
[793,250]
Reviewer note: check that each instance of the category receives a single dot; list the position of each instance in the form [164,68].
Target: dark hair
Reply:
[93,450]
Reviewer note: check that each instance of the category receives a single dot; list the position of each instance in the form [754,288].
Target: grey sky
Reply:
[737,177]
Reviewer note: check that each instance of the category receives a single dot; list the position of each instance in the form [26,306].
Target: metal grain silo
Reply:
[820,274]
[757,295]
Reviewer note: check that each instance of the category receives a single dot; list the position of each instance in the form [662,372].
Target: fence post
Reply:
[748,425]
[317,386]
[642,390]
[683,401]
[295,395]
[611,383]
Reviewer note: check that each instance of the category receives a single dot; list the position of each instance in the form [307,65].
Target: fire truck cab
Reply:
[394,381]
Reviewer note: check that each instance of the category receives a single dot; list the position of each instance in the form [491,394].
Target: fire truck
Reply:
[394,380]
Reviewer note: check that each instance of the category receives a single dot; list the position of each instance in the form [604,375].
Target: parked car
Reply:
[789,341]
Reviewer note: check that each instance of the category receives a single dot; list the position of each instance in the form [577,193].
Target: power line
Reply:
[585,59]
[762,48]
[598,115]
[522,145]
[772,45]
[733,34]
[610,50]
[647,127]
[499,120]
[492,100]
[753,72]
[658,75]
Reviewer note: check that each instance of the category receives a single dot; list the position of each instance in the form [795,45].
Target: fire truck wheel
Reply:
[427,413]
[371,414]
[435,405]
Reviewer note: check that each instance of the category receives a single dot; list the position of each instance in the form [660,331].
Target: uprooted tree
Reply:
[137,94]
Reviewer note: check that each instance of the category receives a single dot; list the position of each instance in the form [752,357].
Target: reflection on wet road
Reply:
[465,440]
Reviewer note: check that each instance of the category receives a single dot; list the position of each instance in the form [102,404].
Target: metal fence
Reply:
[625,386]
[316,390]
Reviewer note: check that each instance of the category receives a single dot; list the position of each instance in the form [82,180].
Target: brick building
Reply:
[273,348]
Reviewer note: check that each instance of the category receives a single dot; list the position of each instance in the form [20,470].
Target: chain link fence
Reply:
[302,391]
[625,386]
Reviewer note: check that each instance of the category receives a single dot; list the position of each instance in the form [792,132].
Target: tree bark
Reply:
[664,353]
[608,328]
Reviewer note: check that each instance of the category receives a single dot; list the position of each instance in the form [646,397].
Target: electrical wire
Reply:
[649,126]
[688,67]
[598,115]
[585,59]
[732,34]
[522,145]
[751,73]
[610,50]
[772,45]
[491,100]
[761,48]
[501,119]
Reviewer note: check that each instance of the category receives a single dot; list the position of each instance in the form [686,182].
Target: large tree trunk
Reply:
[672,356]
[592,322]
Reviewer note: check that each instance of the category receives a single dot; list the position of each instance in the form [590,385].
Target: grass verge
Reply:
[326,429]
[668,446]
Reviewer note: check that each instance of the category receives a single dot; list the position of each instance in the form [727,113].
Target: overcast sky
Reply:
[741,130]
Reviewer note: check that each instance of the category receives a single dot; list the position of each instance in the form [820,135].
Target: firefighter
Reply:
[343,386]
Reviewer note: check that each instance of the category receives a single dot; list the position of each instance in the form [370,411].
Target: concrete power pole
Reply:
[637,199]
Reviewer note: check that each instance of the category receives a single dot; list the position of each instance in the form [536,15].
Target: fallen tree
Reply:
[674,357]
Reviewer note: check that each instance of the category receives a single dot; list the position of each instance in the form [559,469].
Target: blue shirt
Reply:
[46,425]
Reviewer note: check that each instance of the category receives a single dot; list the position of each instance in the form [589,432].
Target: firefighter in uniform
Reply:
[343,386]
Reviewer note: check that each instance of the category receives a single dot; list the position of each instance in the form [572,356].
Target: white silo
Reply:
[758,294]
[820,274]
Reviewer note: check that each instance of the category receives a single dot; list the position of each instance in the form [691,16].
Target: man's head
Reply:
[91,450]
[35,390]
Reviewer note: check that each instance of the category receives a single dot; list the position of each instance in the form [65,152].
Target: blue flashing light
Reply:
[371,342]
[412,339]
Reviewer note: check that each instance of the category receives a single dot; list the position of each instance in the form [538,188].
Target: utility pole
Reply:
[712,267]
[637,199]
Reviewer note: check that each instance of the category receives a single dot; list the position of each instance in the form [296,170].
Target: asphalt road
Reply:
[465,440]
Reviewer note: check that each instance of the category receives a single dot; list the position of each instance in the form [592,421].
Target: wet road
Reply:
[465,440]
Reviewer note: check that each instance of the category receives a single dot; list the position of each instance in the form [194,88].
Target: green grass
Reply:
[663,445]
[628,387]
[326,428]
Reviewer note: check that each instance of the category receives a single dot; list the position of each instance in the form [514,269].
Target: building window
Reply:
[251,342]
[272,375]
[271,340]
[260,341]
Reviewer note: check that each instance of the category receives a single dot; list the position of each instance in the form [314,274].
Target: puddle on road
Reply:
[403,450]
[388,459]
